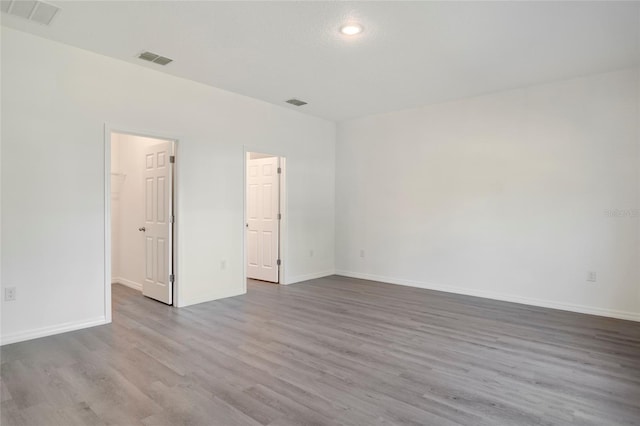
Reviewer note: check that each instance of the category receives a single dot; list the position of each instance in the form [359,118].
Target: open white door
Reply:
[157,223]
[263,199]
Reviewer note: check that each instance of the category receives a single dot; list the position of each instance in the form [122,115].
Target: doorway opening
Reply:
[142,214]
[265,217]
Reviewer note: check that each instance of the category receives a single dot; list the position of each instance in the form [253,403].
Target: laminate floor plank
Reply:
[331,351]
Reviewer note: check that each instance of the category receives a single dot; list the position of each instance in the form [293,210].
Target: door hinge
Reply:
[172,278]
[279,170]
[172,219]
[172,158]
[279,216]
[279,262]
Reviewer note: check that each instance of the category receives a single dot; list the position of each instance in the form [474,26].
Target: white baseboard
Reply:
[208,298]
[611,313]
[307,277]
[127,283]
[48,331]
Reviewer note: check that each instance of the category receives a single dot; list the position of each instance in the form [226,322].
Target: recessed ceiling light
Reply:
[351,29]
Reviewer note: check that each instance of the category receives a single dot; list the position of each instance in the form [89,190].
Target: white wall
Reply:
[55,102]
[501,196]
[117,182]
[127,210]
[257,155]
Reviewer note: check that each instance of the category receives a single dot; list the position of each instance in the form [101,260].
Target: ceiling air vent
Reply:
[36,11]
[296,102]
[156,59]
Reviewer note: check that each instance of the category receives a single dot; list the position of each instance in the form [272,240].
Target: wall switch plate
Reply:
[362,253]
[9,294]
[592,276]
[223,264]
[310,253]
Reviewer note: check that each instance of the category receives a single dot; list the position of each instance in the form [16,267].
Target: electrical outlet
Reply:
[362,253]
[592,276]
[9,294]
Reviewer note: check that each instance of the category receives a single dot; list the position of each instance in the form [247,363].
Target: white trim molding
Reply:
[109,129]
[209,298]
[51,330]
[127,283]
[284,221]
[611,313]
[307,277]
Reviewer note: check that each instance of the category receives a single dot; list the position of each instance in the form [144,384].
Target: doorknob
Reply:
[143,229]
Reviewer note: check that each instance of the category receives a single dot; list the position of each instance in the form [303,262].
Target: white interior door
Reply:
[157,223]
[263,199]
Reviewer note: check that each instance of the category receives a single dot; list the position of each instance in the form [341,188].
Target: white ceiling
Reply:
[410,54]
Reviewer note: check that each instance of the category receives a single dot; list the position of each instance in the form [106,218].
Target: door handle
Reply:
[143,229]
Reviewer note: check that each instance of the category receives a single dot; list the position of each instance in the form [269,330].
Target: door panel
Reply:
[252,254]
[267,255]
[253,202]
[157,227]
[162,261]
[162,208]
[148,247]
[263,198]
[148,195]
[267,201]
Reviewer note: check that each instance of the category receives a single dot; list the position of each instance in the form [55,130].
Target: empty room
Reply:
[319,213]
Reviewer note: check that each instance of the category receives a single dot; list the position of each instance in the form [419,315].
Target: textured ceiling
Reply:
[410,54]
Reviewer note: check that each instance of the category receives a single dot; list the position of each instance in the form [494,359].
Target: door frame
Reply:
[109,129]
[282,228]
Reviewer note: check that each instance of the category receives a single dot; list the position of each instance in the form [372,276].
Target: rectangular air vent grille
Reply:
[36,11]
[296,102]
[156,59]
